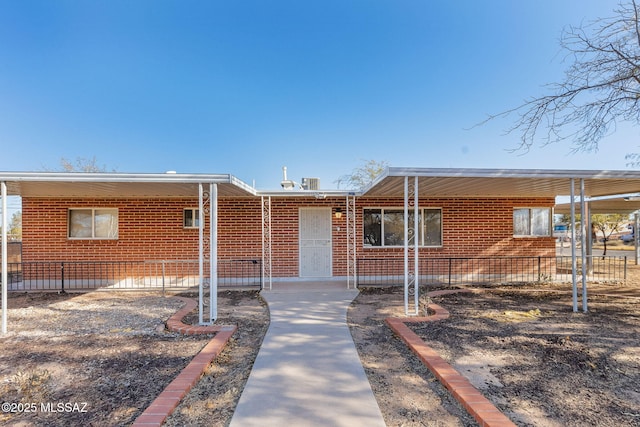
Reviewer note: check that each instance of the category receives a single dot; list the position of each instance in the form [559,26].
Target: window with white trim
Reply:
[534,222]
[191,218]
[384,227]
[93,223]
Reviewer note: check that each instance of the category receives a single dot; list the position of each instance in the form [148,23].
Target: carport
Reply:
[206,187]
[579,185]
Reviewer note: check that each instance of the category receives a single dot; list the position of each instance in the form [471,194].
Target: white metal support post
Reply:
[636,238]
[208,207]
[583,224]
[574,262]
[351,242]
[411,272]
[589,237]
[406,247]
[266,241]
[201,217]
[213,253]
[416,243]
[5,275]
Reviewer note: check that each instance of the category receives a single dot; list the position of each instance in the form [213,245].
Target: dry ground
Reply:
[109,354]
[539,362]
[99,359]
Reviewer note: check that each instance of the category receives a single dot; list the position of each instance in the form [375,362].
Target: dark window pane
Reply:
[372,220]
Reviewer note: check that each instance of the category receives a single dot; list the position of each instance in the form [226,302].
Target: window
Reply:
[191,218]
[385,227]
[532,222]
[93,223]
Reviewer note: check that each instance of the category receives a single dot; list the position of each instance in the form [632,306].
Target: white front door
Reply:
[315,242]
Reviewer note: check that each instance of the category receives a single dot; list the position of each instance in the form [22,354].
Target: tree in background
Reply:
[15,226]
[14,233]
[363,175]
[600,88]
[605,224]
[82,164]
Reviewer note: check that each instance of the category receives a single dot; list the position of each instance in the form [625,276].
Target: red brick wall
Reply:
[148,229]
[151,229]
[470,228]
[284,229]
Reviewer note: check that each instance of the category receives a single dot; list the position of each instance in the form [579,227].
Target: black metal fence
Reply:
[490,270]
[183,274]
[128,275]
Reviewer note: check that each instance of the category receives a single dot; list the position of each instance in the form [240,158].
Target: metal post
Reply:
[588,237]
[266,241]
[62,277]
[200,253]
[163,274]
[213,253]
[348,235]
[5,281]
[354,236]
[406,245]
[416,242]
[636,238]
[351,242]
[585,214]
[574,262]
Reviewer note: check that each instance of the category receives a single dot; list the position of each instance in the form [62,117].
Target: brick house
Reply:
[299,234]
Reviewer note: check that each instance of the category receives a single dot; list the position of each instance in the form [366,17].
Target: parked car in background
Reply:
[627,238]
[561,232]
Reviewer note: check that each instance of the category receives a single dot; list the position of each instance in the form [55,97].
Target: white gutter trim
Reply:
[132,178]
[321,194]
[506,173]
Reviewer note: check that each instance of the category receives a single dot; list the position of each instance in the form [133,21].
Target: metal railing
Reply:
[489,270]
[128,275]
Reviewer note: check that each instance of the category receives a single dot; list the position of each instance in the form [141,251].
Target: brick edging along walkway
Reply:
[478,406]
[170,397]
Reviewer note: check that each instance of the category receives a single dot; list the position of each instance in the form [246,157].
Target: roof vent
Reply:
[286,183]
[310,183]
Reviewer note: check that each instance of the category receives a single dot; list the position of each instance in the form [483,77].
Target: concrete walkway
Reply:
[308,372]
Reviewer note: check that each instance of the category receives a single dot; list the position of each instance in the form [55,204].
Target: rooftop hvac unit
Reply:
[310,183]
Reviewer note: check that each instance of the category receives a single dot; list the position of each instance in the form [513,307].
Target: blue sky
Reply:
[246,87]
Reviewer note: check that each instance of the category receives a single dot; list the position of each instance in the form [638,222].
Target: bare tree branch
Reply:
[600,88]
[361,176]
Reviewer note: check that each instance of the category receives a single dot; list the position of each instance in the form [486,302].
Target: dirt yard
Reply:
[101,358]
[539,362]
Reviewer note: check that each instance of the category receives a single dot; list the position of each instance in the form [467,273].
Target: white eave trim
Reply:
[115,177]
[320,194]
[509,173]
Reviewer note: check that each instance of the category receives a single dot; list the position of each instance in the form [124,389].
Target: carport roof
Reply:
[503,182]
[432,182]
[607,205]
[74,184]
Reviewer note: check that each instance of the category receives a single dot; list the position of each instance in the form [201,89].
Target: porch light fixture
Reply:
[338,213]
